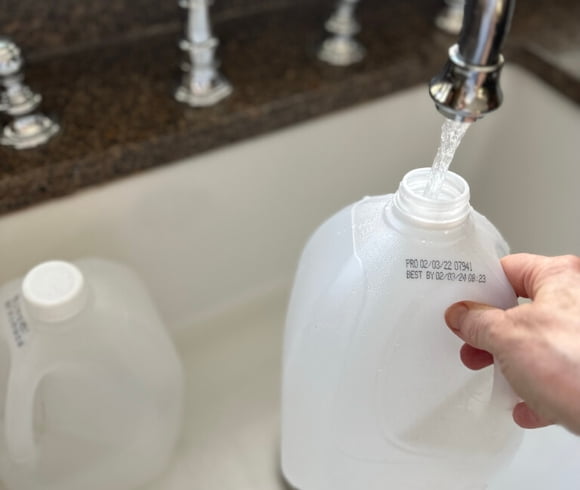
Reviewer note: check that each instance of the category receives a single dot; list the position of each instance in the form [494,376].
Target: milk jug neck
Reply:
[448,211]
[54,292]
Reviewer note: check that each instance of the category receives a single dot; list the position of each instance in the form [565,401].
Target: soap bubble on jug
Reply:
[452,133]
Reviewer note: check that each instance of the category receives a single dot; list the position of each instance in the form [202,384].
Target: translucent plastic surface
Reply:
[91,402]
[374,395]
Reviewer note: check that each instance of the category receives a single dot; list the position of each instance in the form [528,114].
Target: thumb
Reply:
[476,324]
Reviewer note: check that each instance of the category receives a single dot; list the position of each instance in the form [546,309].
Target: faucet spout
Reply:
[468,86]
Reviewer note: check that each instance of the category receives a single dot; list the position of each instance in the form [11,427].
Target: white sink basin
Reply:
[217,239]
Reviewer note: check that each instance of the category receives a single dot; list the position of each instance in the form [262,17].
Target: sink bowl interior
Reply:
[217,239]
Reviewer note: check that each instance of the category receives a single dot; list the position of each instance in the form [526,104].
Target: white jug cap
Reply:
[54,291]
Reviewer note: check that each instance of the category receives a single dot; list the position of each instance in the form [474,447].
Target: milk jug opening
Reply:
[54,291]
[449,209]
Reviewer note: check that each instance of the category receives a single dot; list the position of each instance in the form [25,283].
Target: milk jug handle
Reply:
[502,390]
[19,417]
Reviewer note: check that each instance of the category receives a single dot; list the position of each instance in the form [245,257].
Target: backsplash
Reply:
[107,71]
[42,28]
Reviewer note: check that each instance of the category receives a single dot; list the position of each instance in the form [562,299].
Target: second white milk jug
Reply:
[374,394]
[91,387]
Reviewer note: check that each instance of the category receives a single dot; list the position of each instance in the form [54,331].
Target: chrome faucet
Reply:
[202,84]
[341,48]
[27,127]
[468,86]
[450,19]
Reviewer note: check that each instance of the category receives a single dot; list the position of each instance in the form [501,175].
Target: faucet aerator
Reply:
[464,92]
[468,86]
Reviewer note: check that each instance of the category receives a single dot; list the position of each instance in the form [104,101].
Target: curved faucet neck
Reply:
[485,27]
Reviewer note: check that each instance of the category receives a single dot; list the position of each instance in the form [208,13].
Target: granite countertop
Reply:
[115,102]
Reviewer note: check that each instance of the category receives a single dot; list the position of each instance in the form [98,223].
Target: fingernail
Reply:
[455,315]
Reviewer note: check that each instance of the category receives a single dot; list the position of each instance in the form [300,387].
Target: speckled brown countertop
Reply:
[114,100]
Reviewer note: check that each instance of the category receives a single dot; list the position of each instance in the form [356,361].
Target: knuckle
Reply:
[555,268]
[481,328]
[496,329]
[573,262]
[500,331]
[567,263]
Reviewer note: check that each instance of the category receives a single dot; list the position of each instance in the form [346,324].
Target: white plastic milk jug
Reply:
[374,394]
[91,386]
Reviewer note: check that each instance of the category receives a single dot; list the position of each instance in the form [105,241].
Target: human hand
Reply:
[536,345]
